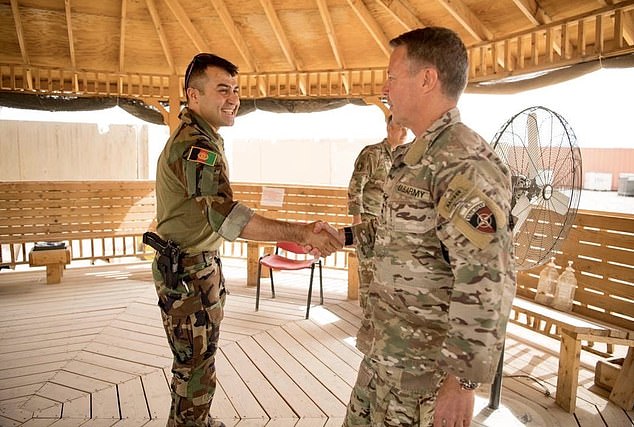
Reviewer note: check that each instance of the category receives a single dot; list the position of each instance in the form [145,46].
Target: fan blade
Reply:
[534,151]
[520,212]
[559,202]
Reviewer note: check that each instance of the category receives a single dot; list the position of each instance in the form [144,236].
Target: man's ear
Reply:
[428,77]
[192,94]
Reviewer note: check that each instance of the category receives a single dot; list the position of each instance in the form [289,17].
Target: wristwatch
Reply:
[466,384]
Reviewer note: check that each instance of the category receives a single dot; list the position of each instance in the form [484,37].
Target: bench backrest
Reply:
[94,216]
[601,246]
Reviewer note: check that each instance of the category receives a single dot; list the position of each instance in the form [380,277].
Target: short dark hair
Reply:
[199,64]
[441,48]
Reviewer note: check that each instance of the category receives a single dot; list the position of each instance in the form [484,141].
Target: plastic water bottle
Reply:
[547,284]
[566,286]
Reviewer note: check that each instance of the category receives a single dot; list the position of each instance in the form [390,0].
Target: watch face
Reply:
[468,385]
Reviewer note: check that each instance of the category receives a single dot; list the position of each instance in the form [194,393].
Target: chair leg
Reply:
[310,289]
[321,286]
[272,285]
[257,288]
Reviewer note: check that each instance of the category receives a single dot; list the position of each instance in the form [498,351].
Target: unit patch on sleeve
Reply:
[202,155]
[481,218]
[476,215]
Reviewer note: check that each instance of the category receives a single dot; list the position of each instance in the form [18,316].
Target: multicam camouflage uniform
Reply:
[447,197]
[195,208]
[365,197]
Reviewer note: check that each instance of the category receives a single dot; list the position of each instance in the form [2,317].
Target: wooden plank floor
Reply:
[91,352]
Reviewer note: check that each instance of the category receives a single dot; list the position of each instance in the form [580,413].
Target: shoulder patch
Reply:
[201,155]
[481,218]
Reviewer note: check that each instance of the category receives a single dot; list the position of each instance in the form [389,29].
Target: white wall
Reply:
[72,151]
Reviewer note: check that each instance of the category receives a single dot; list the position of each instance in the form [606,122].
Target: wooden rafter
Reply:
[156,20]
[371,25]
[19,31]
[467,19]
[124,13]
[186,24]
[533,12]
[402,11]
[71,39]
[280,34]
[330,32]
[234,33]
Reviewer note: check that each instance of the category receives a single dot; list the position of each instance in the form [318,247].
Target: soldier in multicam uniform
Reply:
[442,248]
[365,190]
[195,209]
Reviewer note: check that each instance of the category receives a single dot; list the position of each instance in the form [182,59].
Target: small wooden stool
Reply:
[53,259]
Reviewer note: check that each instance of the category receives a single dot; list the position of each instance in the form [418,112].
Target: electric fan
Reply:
[541,151]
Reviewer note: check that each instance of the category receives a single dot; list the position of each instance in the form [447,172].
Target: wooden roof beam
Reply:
[124,13]
[533,11]
[158,26]
[234,33]
[330,32]
[186,24]
[332,39]
[467,19]
[371,25]
[20,33]
[280,34]
[71,40]
[402,12]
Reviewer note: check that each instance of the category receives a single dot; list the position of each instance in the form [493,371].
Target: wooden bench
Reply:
[575,333]
[600,245]
[96,220]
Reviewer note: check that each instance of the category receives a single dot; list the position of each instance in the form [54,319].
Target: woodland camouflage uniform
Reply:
[447,197]
[195,208]
[365,197]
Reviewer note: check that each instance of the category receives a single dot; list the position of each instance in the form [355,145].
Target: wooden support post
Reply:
[253,257]
[623,391]
[175,102]
[568,374]
[353,275]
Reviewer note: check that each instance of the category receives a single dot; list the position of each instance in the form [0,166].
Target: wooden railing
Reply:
[105,219]
[601,246]
[97,219]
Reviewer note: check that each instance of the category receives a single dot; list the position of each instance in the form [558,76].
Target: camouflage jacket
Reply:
[365,191]
[194,200]
[444,271]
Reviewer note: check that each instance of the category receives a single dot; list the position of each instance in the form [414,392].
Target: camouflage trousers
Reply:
[191,316]
[387,396]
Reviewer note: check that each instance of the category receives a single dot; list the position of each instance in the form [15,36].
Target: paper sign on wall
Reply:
[273,197]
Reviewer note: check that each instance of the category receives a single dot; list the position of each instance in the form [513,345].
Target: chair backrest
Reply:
[291,247]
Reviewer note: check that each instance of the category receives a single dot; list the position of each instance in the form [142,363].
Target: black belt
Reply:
[203,257]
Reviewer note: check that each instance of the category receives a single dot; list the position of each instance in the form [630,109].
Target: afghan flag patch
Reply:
[202,155]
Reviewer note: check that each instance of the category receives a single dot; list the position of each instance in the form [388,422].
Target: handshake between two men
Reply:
[324,239]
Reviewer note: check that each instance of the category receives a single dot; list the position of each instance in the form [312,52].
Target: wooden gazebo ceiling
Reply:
[288,48]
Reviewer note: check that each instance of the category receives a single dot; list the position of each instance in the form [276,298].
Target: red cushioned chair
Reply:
[279,262]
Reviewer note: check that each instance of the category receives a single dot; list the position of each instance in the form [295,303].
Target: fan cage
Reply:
[540,149]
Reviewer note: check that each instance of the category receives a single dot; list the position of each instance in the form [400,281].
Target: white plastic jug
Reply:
[547,284]
[566,286]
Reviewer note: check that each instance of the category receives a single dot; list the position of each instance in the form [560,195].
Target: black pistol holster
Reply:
[167,261]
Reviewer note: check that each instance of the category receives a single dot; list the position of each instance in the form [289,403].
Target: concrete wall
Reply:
[72,151]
